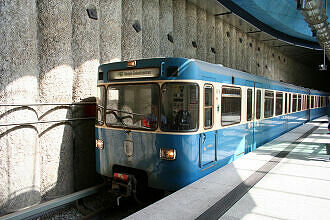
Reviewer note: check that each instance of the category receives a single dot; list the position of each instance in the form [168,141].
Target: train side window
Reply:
[315,101]
[289,110]
[308,101]
[294,103]
[249,105]
[312,101]
[299,102]
[279,103]
[258,106]
[208,106]
[230,105]
[286,103]
[325,101]
[100,104]
[269,104]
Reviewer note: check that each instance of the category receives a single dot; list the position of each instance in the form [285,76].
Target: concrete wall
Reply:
[50,51]
[19,161]
[56,80]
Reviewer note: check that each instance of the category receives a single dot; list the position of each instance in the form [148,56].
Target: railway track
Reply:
[85,204]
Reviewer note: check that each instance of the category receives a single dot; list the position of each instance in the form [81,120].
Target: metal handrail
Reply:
[39,104]
[44,122]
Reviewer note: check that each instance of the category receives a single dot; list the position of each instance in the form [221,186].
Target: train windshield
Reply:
[180,107]
[133,106]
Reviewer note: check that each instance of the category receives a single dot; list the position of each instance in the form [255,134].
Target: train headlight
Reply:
[167,154]
[99,144]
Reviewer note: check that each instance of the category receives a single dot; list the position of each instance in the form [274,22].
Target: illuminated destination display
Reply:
[133,73]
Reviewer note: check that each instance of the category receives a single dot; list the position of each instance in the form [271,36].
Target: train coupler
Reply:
[123,185]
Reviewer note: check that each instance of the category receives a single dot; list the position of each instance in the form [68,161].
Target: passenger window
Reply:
[289,110]
[258,108]
[286,103]
[208,106]
[312,101]
[279,103]
[100,104]
[231,106]
[249,104]
[269,104]
[294,103]
[299,102]
[308,101]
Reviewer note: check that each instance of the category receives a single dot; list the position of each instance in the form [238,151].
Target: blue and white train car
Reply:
[166,122]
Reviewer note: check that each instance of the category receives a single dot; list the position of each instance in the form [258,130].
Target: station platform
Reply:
[287,178]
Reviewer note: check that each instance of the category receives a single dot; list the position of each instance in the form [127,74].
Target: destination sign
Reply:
[133,73]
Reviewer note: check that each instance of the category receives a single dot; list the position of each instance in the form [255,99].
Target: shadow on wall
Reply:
[56,167]
[74,169]
[84,162]
[19,182]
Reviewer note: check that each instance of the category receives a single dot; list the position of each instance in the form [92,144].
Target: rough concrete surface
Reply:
[56,80]
[191,29]
[110,15]
[210,40]
[201,34]
[165,27]
[179,30]
[86,56]
[150,33]
[19,162]
[131,44]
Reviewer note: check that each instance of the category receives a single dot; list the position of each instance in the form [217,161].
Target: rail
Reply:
[46,206]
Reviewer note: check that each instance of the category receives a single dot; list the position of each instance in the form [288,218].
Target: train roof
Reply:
[212,72]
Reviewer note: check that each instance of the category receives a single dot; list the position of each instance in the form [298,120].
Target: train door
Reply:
[208,137]
[286,110]
[257,126]
[308,106]
[249,138]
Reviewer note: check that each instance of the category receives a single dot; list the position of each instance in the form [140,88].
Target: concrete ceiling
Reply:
[277,23]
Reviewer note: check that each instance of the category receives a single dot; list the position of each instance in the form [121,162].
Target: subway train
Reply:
[163,123]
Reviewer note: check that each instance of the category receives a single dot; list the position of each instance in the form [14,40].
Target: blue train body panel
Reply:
[197,153]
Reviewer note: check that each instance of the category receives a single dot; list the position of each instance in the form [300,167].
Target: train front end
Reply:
[146,131]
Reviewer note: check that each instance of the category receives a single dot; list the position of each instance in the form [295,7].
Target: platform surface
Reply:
[287,178]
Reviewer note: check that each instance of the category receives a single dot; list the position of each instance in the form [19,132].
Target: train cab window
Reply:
[231,106]
[289,110]
[312,101]
[125,112]
[179,107]
[299,102]
[100,104]
[249,105]
[294,103]
[208,106]
[269,104]
[279,103]
[258,105]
